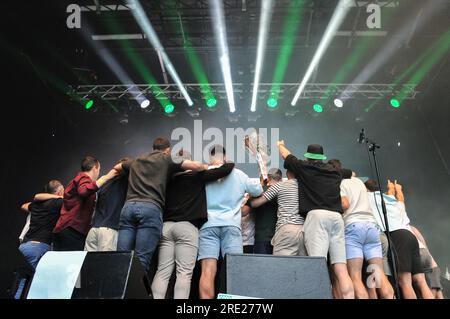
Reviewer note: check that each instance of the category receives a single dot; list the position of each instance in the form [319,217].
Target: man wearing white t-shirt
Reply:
[362,239]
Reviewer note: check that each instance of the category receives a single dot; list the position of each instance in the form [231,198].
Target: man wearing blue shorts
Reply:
[222,232]
[362,239]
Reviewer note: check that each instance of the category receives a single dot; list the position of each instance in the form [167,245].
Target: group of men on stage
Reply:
[187,211]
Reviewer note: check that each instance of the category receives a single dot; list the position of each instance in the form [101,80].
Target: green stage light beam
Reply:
[290,27]
[441,49]
[191,55]
[139,65]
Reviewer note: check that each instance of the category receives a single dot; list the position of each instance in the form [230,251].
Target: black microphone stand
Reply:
[372,147]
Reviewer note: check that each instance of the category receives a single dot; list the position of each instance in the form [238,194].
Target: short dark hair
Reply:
[88,163]
[160,144]
[335,163]
[217,149]
[275,174]
[372,185]
[52,186]
[124,160]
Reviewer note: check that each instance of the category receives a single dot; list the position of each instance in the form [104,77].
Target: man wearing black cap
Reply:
[320,204]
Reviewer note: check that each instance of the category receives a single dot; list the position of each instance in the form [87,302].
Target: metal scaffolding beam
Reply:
[241,90]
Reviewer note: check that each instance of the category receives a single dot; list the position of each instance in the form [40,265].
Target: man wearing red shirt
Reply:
[78,206]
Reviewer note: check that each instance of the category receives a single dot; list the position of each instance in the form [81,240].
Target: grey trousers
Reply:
[288,241]
[178,248]
[101,239]
[324,233]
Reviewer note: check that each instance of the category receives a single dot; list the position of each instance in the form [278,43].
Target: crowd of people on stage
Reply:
[183,211]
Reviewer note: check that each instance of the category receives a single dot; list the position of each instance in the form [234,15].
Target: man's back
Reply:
[43,218]
[396,211]
[286,193]
[110,200]
[78,204]
[148,177]
[224,198]
[319,184]
[359,209]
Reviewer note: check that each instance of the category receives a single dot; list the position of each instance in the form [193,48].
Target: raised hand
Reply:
[280,143]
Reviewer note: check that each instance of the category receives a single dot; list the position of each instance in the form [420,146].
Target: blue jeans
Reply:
[33,251]
[140,229]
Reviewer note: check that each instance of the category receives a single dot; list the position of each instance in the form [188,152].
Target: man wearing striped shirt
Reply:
[288,238]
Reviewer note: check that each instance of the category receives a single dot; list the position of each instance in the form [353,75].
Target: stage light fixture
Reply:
[395,103]
[211,102]
[317,108]
[145,103]
[89,103]
[169,108]
[272,103]
[338,103]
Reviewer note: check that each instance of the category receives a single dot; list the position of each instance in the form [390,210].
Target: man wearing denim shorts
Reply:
[362,239]
[222,232]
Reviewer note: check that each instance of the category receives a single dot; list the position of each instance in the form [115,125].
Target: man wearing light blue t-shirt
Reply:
[222,232]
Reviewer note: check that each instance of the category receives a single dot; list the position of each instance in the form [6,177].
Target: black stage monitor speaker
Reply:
[276,277]
[14,268]
[112,275]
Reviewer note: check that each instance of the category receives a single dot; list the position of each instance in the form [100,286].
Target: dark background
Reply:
[45,134]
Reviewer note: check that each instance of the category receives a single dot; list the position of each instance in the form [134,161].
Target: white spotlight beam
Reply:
[112,63]
[338,16]
[264,25]
[147,27]
[218,22]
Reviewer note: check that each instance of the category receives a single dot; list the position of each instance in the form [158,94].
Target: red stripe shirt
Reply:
[78,205]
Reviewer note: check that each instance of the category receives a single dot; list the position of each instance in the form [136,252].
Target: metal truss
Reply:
[242,91]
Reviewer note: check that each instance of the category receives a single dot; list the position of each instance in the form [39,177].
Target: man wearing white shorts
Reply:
[320,202]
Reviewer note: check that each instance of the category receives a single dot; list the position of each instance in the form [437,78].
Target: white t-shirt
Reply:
[359,209]
[396,212]
[248,229]
[25,229]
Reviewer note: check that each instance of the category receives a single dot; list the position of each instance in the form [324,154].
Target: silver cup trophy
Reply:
[257,147]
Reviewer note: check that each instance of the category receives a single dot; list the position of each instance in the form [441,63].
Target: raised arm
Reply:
[88,189]
[214,174]
[390,188]
[268,195]
[284,152]
[259,201]
[40,197]
[399,192]
[25,207]
[193,166]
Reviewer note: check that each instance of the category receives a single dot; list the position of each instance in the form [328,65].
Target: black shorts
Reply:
[427,260]
[407,251]
[434,279]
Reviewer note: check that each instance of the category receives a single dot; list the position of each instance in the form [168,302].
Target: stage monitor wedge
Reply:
[276,277]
